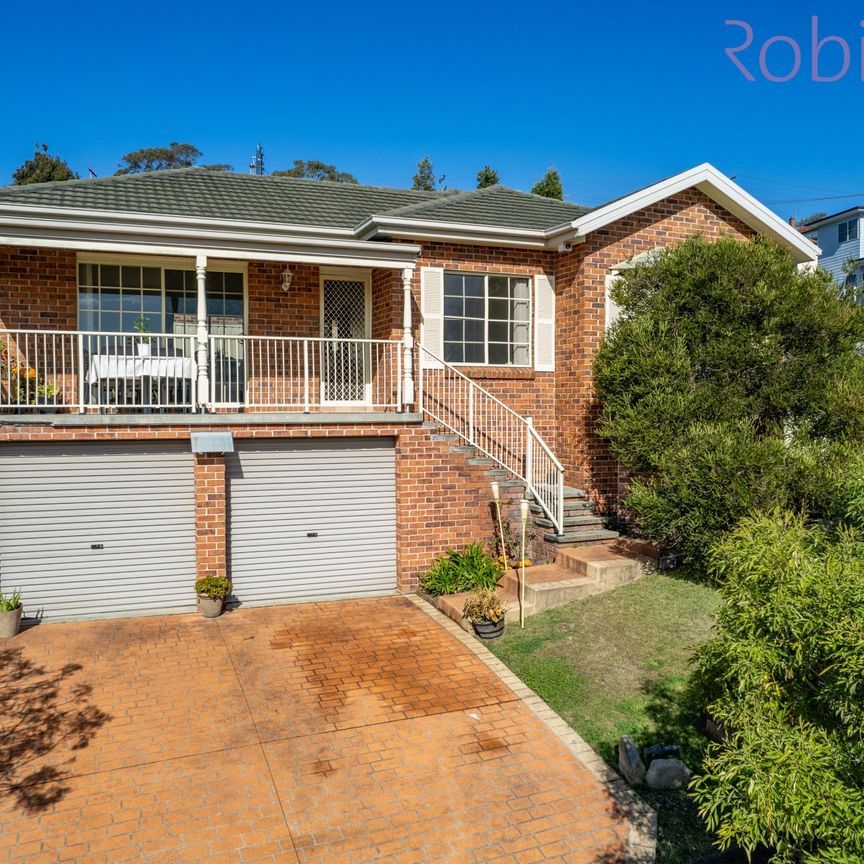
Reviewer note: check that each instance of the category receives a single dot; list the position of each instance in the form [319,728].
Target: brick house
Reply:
[243,375]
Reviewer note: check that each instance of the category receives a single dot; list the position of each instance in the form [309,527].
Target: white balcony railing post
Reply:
[529,451]
[201,353]
[407,339]
[82,374]
[306,376]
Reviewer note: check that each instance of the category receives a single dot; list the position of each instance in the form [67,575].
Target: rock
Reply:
[630,763]
[667,774]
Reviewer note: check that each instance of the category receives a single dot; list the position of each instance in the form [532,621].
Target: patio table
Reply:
[109,367]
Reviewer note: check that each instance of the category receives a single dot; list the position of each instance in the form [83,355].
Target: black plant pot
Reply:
[489,629]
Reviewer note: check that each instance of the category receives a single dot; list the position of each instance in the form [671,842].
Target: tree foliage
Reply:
[42,168]
[487,176]
[424,179]
[549,185]
[315,170]
[784,676]
[813,217]
[175,155]
[730,378]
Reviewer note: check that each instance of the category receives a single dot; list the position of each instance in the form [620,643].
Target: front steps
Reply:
[582,524]
[578,571]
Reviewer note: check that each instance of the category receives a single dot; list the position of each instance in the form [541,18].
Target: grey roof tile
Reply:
[196,192]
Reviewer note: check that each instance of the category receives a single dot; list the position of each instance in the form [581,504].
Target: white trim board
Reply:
[716,186]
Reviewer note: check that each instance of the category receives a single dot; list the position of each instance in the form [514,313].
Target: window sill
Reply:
[492,373]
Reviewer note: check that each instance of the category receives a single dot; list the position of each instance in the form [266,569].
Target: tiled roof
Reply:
[196,192]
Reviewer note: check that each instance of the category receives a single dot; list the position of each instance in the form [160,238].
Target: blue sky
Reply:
[616,95]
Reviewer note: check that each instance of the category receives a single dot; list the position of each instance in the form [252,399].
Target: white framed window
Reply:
[847,230]
[487,319]
[116,296]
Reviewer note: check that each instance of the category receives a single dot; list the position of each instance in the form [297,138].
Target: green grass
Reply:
[617,664]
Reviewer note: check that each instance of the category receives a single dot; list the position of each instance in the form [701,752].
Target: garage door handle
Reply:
[97,545]
[311,533]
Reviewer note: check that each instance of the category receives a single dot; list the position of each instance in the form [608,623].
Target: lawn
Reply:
[617,664]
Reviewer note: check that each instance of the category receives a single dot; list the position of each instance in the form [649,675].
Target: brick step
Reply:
[604,564]
[580,537]
[577,573]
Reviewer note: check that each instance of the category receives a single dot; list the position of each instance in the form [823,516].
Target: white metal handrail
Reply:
[48,370]
[461,405]
[297,373]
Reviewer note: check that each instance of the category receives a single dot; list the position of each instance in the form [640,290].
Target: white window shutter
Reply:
[544,323]
[613,310]
[432,314]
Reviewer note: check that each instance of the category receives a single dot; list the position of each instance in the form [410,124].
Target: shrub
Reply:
[470,567]
[785,675]
[10,603]
[483,605]
[214,587]
[728,375]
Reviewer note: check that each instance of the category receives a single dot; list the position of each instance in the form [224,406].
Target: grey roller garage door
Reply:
[94,529]
[312,518]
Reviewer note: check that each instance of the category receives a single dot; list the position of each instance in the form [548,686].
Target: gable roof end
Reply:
[716,186]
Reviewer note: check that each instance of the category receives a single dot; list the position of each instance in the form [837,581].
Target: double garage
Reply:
[108,528]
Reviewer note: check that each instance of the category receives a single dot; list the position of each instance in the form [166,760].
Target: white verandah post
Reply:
[201,352]
[407,340]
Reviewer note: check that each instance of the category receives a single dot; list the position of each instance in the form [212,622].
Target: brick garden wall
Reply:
[581,320]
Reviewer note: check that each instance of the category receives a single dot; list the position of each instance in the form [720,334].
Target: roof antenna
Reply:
[441,186]
[256,166]
[92,173]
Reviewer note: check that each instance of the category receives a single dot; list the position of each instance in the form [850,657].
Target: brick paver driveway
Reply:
[356,731]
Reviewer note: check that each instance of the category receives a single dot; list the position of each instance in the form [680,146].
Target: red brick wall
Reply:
[211,516]
[38,289]
[581,319]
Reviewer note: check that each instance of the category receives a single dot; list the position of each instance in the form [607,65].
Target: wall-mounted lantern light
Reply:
[287,276]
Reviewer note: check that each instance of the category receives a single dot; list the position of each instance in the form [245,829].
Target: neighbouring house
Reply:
[840,239]
[306,386]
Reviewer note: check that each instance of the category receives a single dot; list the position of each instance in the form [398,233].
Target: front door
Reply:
[345,323]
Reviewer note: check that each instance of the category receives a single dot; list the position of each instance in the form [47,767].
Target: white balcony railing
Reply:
[461,405]
[51,370]
[54,370]
[293,373]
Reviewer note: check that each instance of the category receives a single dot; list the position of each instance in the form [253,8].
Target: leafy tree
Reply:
[487,176]
[175,155]
[549,185]
[813,217]
[315,170]
[424,179]
[43,168]
[730,383]
[784,676]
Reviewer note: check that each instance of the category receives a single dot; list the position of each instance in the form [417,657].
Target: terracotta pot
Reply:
[209,607]
[10,623]
[489,629]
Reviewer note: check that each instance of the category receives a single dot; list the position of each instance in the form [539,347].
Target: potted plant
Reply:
[46,398]
[139,325]
[485,612]
[212,591]
[10,615]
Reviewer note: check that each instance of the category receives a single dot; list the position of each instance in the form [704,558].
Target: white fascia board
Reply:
[450,231]
[152,240]
[127,217]
[716,186]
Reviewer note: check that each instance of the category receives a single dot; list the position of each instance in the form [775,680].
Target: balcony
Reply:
[53,371]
